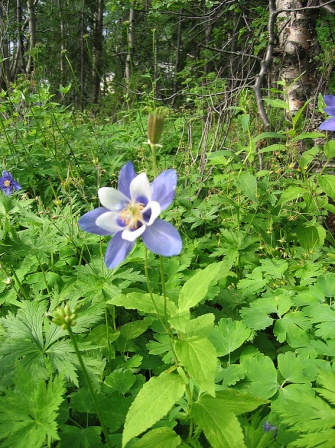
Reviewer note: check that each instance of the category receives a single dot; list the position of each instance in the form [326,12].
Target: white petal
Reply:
[108,221]
[112,198]
[131,235]
[155,212]
[140,187]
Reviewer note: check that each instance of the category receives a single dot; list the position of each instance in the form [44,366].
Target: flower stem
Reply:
[89,384]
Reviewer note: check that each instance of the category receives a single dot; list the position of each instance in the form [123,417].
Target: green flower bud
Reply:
[155,126]
[64,317]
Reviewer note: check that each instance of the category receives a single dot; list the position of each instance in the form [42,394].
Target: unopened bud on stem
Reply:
[155,126]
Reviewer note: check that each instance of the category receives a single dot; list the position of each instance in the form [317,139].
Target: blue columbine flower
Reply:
[132,211]
[8,184]
[329,125]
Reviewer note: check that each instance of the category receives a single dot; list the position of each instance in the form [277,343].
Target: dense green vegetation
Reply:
[227,344]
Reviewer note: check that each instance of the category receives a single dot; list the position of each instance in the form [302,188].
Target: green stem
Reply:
[89,384]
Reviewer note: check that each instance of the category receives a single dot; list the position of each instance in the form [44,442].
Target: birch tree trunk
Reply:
[297,47]
[130,45]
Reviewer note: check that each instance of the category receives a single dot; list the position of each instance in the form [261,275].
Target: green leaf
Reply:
[308,135]
[198,356]
[329,149]
[327,183]
[262,376]
[196,288]
[311,235]
[28,413]
[130,331]
[75,437]
[220,425]
[271,148]
[229,335]
[291,194]
[200,327]
[296,370]
[239,402]
[153,402]
[121,380]
[143,302]
[279,104]
[257,316]
[159,438]
[247,183]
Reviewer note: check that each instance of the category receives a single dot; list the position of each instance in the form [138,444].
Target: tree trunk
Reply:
[98,43]
[32,33]
[297,47]
[130,45]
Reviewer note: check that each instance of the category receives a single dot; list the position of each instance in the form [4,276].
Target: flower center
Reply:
[131,216]
[6,183]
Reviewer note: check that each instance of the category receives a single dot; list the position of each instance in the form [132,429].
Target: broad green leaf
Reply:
[229,335]
[198,356]
[257,316]
[159,438]
[130,331]
[291,194]
[324,317]
[195,289]
[324,287]
[121,380]
[327,183]
[305,135]
[239,402]
[277,103]
[296,370]
[307,157]
[232,374]
[200,327]
[271,148]
[75,437]
[311,235]
[329,149]
[261,375]
[292,328]
[247,183]
[220,425]
[153,402]
[144,303]
[265,135]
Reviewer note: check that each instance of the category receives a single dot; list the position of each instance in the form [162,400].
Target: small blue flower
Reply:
[132,211]
[329,125]
[8,184]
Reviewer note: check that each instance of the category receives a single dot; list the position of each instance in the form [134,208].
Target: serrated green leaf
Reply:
[121,380]
[239,402]
[229,335]
[75,437]
[220,425]
[327,183]
[327,381]
[262,376]
[153,402]
[296,370]
[28,414]
[198,356]
[195,289]
[233,374]
[143,302]
[159,438]
[291,194]
[257,316]
[200,327]
[247,183]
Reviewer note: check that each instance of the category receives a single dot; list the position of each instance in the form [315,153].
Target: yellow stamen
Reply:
[6,183]
[132,214]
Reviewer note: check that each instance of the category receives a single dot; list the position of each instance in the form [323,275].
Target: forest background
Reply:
[230,343]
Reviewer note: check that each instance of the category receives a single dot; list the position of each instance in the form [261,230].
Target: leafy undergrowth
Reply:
[229,344]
